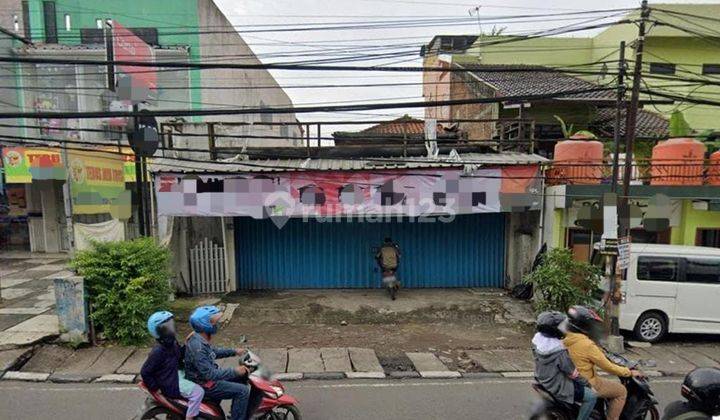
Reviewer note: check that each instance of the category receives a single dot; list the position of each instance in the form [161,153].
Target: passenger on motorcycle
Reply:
[584,326]
[554,369]
[160,370]
[219,383]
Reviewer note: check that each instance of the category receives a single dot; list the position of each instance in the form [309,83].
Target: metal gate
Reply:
[466,252]
[207,268]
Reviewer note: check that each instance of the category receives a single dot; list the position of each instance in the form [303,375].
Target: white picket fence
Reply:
[207,268]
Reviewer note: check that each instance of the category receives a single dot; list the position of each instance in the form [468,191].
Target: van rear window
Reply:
[702,271]
[657,269]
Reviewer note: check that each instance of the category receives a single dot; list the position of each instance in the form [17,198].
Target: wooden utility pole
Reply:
[630,130]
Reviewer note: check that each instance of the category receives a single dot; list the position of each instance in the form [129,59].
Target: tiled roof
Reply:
[536,80]
[163,165]
[402,125]
[649,124]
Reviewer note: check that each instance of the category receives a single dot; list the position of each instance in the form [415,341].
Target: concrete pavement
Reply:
[26,286]
[319,400]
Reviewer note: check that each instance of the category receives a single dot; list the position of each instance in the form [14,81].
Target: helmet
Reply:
[701,387]
[584,320]
[552,324]
[200,320]
[155,324]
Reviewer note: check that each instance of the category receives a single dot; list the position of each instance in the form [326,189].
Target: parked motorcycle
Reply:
[640,402]
[391,283]
[275,405]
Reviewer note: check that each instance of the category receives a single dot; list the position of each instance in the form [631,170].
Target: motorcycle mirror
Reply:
[243,339]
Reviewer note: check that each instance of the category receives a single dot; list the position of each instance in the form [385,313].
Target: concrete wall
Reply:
[522,244]
[225,42]
[463,87]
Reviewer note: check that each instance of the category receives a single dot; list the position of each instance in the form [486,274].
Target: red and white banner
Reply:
[129,47]
[319,193]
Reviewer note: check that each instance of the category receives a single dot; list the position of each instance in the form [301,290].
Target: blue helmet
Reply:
[157,319]
[200,319]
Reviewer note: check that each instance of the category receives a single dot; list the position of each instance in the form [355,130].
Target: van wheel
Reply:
[651,327]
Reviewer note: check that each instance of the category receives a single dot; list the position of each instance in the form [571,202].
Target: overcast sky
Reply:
[249,15]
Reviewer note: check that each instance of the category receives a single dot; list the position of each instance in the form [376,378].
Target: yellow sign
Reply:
[97,182]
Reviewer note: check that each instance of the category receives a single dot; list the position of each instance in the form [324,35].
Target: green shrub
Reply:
[126,282]
[560,282]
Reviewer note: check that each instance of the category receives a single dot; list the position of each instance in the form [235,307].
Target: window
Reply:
[50,22]
[657,269]
[662,68]
[16,23]
[711,69]
[284,132]
[99,23]
[708,237]
[68,23]
[699,270]
[26,19]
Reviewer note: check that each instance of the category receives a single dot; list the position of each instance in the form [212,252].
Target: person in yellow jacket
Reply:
[587,356]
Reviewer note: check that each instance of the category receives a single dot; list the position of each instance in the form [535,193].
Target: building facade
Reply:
[176,31]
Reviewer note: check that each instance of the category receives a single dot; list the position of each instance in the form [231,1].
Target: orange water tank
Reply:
[577,160]
[713,171]
[678,161]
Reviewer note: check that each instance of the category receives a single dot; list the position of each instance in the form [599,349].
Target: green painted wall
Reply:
[663,44]
[558,229]
[692,220]
[177,18]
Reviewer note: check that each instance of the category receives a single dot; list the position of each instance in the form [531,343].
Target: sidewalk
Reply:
[26,286]
[122,364]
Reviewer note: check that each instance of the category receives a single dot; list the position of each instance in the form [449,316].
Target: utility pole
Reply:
[611,228]
[623,209]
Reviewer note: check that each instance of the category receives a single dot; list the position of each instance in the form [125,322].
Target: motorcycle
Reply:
[275,405]
[391,283]
[640,402]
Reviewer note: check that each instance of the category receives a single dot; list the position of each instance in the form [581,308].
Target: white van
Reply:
[671,288]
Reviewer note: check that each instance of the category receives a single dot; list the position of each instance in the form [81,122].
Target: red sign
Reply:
[129,47]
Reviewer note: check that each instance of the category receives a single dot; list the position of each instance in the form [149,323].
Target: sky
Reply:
[457,17]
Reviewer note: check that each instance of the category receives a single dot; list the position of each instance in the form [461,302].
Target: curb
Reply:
[324,375]
[60,378]
[407,374]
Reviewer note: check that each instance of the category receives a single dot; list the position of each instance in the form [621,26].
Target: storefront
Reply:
[321,229]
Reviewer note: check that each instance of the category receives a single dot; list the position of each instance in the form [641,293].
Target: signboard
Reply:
[97,183]
[623,259]
[23,164]
[334,193]
[129,47]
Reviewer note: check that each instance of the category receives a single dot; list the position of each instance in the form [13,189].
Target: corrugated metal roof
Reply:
[168,165]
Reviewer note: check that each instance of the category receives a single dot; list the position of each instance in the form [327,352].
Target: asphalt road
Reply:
[347,400]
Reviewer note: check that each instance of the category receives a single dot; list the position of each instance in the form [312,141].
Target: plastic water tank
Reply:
[577,160]
[678,161]
[713,171]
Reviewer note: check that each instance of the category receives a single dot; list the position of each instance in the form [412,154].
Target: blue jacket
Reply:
[200,366]
[160,370]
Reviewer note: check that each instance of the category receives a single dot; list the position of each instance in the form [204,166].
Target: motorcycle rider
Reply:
[388,256]
[160,370]
[584,326]
[701,388]
[554,369]
[219,383]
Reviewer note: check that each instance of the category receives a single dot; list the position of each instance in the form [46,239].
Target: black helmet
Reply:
[584,320]
[701,387]
[551,324]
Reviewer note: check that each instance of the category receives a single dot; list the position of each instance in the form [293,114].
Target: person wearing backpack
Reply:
[388,258]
